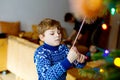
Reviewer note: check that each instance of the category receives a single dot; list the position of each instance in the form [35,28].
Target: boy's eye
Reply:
[59,32]
[51,33]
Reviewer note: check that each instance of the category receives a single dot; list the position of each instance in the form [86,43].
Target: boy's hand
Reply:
[72,55]
[81,58]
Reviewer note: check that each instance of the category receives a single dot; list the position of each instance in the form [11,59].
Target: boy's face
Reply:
[51,37]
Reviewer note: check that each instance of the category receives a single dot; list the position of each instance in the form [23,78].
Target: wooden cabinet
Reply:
[20,58]
[3,54]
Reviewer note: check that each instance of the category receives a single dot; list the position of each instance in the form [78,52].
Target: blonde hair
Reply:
[47,24]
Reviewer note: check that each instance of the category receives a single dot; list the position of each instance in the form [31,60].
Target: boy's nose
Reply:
[57,34]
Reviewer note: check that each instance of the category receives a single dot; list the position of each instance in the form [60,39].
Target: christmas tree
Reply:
[105,65]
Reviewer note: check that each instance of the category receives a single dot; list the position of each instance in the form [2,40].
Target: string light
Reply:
[113,10]
[106,53]
[117,61]
[104,26]
[101,70]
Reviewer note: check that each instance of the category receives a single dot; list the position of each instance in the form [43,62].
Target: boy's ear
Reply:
[41,37]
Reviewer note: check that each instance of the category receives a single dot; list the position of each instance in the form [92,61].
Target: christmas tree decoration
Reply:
[113,11]
[91,9]
[101,70]
[104,26]
[106,53]
[103,67]
[117,61]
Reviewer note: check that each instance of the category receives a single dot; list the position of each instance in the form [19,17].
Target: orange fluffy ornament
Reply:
[91,9]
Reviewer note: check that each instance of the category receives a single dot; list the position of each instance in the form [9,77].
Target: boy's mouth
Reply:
[57,39]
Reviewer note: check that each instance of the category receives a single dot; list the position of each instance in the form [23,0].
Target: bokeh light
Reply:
[117,61]
[104,26]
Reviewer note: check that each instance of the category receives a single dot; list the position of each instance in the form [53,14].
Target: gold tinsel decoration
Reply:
[91,9]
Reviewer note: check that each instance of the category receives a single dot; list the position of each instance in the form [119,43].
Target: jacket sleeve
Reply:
[79,65]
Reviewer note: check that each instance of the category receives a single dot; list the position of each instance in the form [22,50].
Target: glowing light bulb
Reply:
[117,61]
[106,53]
[101,70]
[104,26]
[113,10]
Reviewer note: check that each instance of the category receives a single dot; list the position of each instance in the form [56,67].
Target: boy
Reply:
[53,59]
